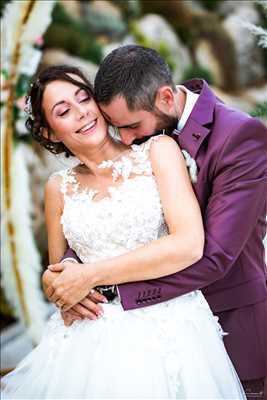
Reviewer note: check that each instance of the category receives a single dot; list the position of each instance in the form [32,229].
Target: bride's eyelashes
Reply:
[64,113]
[61,114]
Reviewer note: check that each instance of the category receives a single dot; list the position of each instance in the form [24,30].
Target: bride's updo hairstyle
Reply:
[36,120]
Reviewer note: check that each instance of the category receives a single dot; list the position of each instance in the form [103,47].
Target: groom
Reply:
[135,92]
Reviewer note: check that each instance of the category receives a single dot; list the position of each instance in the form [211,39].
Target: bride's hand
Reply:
[48,278]
[71,286]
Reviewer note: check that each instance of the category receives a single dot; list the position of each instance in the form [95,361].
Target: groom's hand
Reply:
[88,308]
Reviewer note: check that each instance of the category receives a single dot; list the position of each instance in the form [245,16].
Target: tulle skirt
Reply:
[170,350]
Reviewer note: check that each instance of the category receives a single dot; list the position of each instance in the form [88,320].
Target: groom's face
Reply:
[135,124]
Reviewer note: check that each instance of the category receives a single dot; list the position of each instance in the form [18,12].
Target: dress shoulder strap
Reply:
[69,184]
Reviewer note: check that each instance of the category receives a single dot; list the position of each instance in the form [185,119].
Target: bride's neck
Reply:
[108,150]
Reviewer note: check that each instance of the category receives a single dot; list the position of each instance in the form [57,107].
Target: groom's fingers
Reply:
[84,312]
[74,313]
[68,318]
[91,307]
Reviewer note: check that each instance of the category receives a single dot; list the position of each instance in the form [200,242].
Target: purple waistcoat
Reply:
[230,149]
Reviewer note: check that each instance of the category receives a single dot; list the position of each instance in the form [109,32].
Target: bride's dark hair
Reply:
[36,120]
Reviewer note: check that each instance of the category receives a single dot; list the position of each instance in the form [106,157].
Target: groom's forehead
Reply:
[118,113]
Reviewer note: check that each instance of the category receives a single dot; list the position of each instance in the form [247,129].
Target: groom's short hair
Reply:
[135,73]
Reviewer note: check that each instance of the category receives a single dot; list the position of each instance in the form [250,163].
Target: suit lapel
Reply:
[197,126]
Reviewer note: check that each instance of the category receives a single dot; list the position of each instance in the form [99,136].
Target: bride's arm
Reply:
[167,255]
[57,245]
[184,244]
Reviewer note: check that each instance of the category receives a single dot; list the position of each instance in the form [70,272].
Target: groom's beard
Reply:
[165,124]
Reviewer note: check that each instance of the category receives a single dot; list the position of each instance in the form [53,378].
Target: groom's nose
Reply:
[126,136]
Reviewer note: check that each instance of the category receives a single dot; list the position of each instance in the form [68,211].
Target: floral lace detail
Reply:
[122,220]
[137,162]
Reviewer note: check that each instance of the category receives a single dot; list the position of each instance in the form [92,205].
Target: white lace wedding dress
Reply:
[169,350]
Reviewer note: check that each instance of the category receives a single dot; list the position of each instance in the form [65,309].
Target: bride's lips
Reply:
[88,128]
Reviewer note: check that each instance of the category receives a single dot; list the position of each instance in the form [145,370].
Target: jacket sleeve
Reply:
[70,255]
[237,200]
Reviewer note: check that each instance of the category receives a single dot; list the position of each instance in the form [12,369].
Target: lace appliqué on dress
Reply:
[137,162]
[122,220]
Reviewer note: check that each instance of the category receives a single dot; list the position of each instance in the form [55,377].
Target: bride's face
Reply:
[73,116]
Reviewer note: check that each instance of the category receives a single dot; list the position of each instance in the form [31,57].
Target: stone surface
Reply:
[206,59]
[249,55]
[58,56]
[104,18]
[157,30]
[105,7]
[258,94]
[240,101]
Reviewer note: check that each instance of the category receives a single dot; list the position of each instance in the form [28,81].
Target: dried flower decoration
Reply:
[28,107]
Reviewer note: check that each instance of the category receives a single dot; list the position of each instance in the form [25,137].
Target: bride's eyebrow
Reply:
[63,101]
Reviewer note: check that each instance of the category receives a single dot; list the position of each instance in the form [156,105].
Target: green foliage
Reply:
[184,34]
[72,36]
[130,9]
[160,46]
[210,5]
[3,4]
[22,85]
[198,72]
[260,111]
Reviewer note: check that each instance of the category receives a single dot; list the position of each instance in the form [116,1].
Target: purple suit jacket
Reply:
[230,149]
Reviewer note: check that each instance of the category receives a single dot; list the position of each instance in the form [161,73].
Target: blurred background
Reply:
[224,42]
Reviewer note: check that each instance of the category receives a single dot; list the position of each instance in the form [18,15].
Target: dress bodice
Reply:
[129,216]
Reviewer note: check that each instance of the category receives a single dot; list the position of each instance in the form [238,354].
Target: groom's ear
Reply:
[49,135]
[165,99]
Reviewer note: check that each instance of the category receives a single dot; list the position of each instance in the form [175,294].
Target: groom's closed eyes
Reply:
[134,125]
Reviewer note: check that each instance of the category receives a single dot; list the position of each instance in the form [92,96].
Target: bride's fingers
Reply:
[97,297]
[54,298]
[49,292]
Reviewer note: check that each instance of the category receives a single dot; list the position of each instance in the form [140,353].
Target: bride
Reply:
[119,199]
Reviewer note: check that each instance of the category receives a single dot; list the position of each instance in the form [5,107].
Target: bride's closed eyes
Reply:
[82,96]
